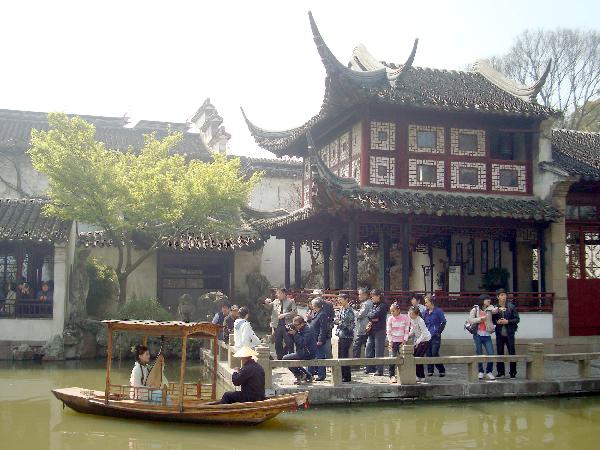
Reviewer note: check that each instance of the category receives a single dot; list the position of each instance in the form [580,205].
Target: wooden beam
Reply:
[182,370]
[515,264]
[286,259]
[297,264]
[352,253]
[326,263]
[215,367]
[109,351]
[338,263]
[405,244]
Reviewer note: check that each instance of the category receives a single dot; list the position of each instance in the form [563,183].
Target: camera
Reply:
[290,327]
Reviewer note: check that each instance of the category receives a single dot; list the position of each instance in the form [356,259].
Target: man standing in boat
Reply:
[250,377]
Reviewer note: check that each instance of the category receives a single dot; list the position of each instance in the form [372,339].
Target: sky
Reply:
[159,60]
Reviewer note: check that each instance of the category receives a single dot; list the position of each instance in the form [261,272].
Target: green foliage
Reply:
[123,191]
[144,309]
[103,286]
[495,279]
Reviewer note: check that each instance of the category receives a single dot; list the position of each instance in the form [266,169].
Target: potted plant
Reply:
[495,279]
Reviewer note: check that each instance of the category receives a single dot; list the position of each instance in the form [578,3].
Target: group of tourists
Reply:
[236,321]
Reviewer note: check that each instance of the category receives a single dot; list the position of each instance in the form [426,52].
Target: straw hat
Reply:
[317,292]
[245,352]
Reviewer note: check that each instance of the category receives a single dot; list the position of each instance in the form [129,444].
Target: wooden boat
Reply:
[177,402]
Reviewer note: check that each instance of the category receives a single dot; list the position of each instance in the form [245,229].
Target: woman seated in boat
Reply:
[147,382]
[250,377]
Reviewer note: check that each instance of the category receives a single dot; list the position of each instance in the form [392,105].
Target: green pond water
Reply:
[31,418]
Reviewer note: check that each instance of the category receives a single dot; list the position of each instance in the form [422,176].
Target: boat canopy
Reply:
[172,328]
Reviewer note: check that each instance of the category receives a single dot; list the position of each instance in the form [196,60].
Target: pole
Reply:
[109,350]
[215,368]
[182,370]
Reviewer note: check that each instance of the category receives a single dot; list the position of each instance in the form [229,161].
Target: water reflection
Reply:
[31,418]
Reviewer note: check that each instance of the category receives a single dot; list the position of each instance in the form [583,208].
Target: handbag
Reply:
[472,327]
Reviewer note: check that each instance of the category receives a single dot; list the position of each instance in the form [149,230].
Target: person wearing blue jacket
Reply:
[305,343]
[436,322]
[376,341]
[319,322]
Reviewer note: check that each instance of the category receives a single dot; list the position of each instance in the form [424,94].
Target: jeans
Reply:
[344,345]
[395,352]
[297,371]
[433,351]
[284,343]
[509,342]
[359,343]
[421,350]
[480,343]
[376,349]
[323,352]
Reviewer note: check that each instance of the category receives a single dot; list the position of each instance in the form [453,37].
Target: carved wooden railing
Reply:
[25,309]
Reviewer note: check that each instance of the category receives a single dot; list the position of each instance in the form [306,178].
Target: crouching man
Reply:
[251,378]
[305,342]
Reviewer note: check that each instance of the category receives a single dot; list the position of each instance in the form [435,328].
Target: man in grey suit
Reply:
[362,320]
[283,310]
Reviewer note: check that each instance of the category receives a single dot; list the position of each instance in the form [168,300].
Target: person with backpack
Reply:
[506,319]
[482,327]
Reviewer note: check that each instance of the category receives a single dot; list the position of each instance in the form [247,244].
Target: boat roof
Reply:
[171,328]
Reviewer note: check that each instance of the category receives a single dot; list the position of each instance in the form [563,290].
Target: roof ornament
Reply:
[526,93]
[368,78]
[363,60]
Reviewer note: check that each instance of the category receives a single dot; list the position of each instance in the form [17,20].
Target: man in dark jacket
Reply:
[220,317]
[319,322]
[506,319]
[229,322]
[376,341]
[305,343]
[435,320]
[251,378]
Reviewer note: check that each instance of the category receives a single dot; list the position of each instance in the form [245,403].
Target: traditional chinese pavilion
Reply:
[449,174]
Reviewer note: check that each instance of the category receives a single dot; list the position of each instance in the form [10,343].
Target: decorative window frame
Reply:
[412,173]
[388,144]
[521,170]
[470,257]
[455,167]
[440,142]
[455,149]
[484,246]
[497,260]
[344,147]
[375,178]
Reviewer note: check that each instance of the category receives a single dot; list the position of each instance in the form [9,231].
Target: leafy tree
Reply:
[140,199]
[574,79]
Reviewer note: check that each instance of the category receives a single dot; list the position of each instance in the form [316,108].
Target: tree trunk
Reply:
[122,277]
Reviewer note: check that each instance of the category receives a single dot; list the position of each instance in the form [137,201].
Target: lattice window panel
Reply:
[455,141]
[455,175]
[413,143]
[412,173]
[356,139]
[325,155]
[592,255]
[382,170]
[572,253]
[521,173]
[334,153]
[383,136]
[344,146]
[356,169]
[344,171]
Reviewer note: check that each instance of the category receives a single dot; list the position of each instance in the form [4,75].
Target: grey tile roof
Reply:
[577,153]
[23,220]
[16,126]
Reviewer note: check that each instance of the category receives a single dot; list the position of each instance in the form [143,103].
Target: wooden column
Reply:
[286,259]
[405,255]
[514,264]
[384,260]
[182,370]
[215,367]
[297,265]
[352,254]
[326,263]
[542,260]
[431,266]
[109,351]
[338,263]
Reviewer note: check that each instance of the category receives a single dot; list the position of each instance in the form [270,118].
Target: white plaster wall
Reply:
[532,325]
[142,282]
[273,193]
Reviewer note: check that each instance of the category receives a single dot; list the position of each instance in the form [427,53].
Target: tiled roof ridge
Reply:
[581,132]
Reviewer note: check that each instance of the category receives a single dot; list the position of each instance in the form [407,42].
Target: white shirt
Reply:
[243,335]
[138,378]
[419,330]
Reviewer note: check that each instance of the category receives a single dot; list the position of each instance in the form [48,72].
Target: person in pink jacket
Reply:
[397,328]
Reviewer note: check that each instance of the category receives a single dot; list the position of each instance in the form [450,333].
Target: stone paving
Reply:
[455,374]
